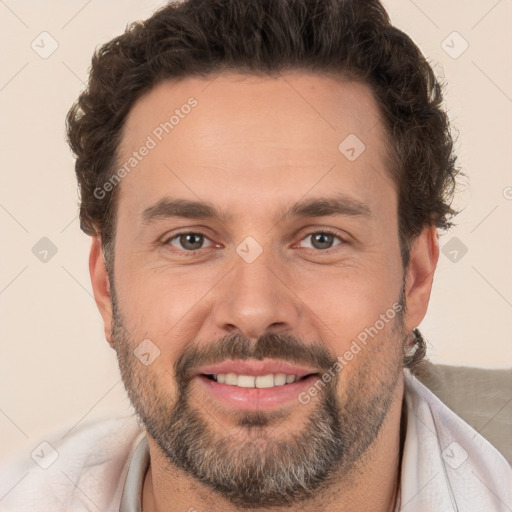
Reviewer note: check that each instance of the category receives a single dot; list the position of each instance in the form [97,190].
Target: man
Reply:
[263,183]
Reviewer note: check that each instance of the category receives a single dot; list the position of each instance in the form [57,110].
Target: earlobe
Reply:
[424,255]
[101,285]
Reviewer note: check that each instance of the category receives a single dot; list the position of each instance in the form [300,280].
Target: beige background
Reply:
[55,367]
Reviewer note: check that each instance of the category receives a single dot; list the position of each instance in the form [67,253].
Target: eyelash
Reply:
[198,232]
[183,251]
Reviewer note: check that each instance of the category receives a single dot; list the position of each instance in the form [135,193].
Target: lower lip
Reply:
[257,399]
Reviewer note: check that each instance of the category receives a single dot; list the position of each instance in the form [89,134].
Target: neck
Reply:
[372,485]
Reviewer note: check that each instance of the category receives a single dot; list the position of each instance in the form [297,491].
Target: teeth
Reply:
[250,381]
[230,378]
[264,381]
[279,379]
[245,381]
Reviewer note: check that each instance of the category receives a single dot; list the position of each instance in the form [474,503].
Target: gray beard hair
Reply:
[261,471]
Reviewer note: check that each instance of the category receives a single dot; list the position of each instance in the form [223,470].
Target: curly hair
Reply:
[350,39]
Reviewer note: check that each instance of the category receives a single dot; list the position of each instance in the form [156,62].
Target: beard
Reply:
[255,469]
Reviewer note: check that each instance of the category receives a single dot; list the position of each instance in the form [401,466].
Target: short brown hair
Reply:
[348,38]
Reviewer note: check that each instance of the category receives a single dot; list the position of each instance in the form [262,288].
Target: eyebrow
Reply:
[339,204]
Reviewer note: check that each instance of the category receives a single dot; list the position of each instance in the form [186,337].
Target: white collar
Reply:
[131,500]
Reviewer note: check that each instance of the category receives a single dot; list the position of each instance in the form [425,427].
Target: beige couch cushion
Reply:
[483,398]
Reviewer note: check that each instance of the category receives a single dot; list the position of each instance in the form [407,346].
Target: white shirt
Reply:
[446,466]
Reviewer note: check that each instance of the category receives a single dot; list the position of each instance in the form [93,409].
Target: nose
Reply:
[256,298]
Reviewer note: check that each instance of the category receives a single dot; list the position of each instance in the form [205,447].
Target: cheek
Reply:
[350,300]
[358,317]
[369,362]
[156,303]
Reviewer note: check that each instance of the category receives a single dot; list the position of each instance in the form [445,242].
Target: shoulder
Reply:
[441,446]
[79,468]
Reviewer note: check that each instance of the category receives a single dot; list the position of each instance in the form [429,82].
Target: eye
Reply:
[190,241]
[321,240]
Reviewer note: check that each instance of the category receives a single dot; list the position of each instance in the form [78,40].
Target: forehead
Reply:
[228,135]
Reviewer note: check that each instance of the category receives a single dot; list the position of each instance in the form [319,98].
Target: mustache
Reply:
[237,346]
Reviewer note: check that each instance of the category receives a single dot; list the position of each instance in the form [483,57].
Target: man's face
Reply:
[275,287]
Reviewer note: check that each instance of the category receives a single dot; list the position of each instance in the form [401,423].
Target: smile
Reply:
[252,381]
[255,385]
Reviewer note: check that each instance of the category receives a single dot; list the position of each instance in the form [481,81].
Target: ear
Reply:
[424,255]
[101,285]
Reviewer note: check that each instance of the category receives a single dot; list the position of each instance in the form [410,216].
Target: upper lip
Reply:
[255,368]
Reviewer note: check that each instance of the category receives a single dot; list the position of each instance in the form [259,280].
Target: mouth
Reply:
[256,385]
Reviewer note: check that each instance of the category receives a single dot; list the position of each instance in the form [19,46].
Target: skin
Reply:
[252,147]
